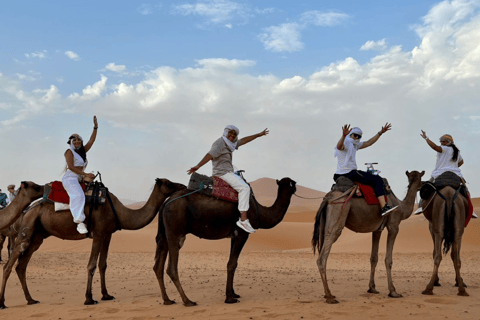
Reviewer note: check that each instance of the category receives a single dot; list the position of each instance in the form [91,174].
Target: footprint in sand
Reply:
[441,301]
[38,315]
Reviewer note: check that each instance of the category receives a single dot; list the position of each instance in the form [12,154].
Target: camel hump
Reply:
[213,187]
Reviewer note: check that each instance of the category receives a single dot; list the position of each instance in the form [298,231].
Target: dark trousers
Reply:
[375,181]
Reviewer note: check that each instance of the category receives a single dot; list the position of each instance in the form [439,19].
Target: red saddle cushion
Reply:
[223,190]
[368,193]
[59,194]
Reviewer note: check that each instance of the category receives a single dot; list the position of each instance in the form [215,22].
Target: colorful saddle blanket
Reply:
[343,184]
[213,186]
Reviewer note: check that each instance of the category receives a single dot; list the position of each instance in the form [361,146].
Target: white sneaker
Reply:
[245,225]
[82,228]
[474,216]
[418,211]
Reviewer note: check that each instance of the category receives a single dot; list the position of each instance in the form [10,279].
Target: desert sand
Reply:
[277,276]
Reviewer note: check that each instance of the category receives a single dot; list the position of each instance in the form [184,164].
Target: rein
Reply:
[307,198]
[202,186]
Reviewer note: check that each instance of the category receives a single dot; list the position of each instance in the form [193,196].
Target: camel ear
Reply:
[277,183]
[422,173]
[406,172]
[24,185]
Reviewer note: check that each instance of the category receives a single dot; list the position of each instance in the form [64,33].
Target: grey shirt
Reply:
[222,157]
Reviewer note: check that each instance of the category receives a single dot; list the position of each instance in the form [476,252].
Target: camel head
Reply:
[414,177]
[31,189]
[168,187]
[287,183]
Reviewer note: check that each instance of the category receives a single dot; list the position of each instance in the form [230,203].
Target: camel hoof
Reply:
[437,284]
[108,297]
[231,300]
[238,296]
[90,302]
[33,302]
[190,304]
[427,292]
[168,302]
[329,297]
[2,306]
[464,285]
[463,294]
[395,295]
[332,301]
[371,290]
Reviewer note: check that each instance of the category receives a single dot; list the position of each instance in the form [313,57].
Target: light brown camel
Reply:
[29,191]
[360,217]
[42,222]
[446,219]
[210,218]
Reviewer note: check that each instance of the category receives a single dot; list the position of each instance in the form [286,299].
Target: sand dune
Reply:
[277,274]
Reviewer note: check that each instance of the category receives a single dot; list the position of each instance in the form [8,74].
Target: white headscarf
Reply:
[231,145]
[350,144]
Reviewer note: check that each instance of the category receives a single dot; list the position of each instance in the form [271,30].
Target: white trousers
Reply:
[77,196]
[241,187]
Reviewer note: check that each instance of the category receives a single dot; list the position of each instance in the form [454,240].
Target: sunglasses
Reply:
[356,136]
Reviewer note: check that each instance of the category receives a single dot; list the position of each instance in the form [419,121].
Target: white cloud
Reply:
[323,19]
[91,92]
[37,54]
[225,63]
[145,9]
[285,37]
[374,45]
[229,26]
[72,55]
[114,67]
[25,77]
[214,11]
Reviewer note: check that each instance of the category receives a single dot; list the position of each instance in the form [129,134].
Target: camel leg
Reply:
[92,265]
[437,279]
[159,267]
[21,269]
[457,263]
[437,258]
[172,269]
[333,230]
[2,241]
[392,235]
[102,267]
[374,260]
[236,246]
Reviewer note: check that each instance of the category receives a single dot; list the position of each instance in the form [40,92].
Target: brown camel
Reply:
[2,241]
[42,221]
[28,192]
[210,218]
[446,219]
[358,216]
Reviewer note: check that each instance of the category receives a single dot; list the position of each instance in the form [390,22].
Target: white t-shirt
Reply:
[445,163]
[344,166]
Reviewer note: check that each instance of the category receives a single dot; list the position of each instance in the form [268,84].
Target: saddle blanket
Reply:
[59,194]
[223,190]
[368,193]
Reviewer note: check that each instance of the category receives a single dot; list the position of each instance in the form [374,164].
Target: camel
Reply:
[358,216]
[42,222]
[446,224]
[29,191]
[210,218]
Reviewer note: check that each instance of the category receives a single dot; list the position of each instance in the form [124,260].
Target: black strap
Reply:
[117,222]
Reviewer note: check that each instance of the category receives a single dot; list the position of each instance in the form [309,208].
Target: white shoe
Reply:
[474,216]
[387,209]
[82,228]
[419,210]
[245,225]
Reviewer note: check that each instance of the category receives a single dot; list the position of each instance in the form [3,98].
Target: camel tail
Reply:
[318,229]
[449,225]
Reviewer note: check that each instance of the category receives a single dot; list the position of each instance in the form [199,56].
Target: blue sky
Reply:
[165,77]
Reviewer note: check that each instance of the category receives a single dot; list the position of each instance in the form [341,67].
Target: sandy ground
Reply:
[277,276]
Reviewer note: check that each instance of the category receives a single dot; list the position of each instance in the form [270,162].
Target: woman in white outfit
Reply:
[221,156]
[76,157]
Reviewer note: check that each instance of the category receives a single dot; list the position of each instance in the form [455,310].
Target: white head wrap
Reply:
[350,144]
[231,145]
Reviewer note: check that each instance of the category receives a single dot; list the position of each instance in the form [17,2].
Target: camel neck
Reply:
[408,202]
[271,216]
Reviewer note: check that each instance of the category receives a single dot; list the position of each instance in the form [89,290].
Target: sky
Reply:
[165,78]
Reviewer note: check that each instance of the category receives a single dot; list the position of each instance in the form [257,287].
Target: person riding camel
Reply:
[4,201]
[345,152]
[12,193]
[221,156]
[448,159]
[76,157]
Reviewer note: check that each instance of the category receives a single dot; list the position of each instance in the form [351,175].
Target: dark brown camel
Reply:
[42,222]
[358,216]
[210,218]
[446,224]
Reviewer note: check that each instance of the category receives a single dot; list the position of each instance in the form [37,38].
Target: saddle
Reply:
[95,193]
[343,184]
[213,187]
[446,179]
